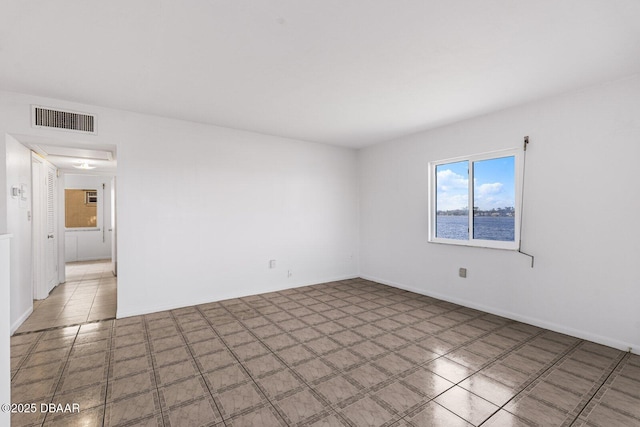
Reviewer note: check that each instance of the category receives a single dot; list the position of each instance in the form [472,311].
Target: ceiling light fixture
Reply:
[84,165]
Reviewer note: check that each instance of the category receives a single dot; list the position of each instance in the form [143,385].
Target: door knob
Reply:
[49,236]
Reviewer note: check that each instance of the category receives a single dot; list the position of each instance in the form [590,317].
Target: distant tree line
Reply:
[506,211]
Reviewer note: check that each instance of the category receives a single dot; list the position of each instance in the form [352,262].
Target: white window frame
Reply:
[518,155]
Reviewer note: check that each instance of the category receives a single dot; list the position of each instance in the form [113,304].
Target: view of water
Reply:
[500,228]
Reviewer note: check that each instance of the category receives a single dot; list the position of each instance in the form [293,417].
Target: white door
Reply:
[114,246]
[51,245]
[38,183]
[45,247]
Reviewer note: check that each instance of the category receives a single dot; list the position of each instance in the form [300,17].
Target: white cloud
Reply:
[453,190]
[487,189]
[449,180]
[453,193]
[492,196]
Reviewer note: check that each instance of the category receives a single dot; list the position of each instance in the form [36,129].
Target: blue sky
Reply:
[494,184]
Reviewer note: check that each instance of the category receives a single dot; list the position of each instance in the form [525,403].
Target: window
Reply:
[91,197]
[81,210]
[490,184]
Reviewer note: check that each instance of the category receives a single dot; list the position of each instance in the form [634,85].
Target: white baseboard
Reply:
[91,258]
[585,335]
[20,320]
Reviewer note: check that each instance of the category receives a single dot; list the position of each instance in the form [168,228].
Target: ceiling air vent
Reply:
[66,120]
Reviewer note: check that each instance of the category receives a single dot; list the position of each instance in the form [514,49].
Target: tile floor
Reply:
[348,353]
[89,294]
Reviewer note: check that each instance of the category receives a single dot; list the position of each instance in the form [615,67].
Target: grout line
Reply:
[387,352]
[153,363]
[624,358]
[541,372]
[193,357]
[31,348]
[112,338]
[239,362]
[284,363]
[62,373]
[53,328]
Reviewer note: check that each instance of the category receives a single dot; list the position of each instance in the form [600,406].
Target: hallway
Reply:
[88,295]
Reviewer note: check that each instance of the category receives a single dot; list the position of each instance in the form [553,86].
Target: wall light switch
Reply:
[462,272]
[272,263]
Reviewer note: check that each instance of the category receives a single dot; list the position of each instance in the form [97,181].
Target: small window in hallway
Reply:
[81,208]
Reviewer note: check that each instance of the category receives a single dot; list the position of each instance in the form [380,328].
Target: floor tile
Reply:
[357,353]
[201,412]
[329,420]
[416,354]
[393,364]
[536,411]
[226,377]
[239,399]
[295,355]
[263,365]
[299,407]
[368,375]
[366,412]
[343,359]
[466,405]
[503,418]
[448,369]
[87,397]
[263,416]
[183,391]
[88,417]
[489,389]
[139,406]
[130,385]
[278,383]
[314,370]
[399,398]
[558,397]
[426,382]
[337,390]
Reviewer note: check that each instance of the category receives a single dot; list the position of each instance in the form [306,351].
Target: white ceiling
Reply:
[345,72]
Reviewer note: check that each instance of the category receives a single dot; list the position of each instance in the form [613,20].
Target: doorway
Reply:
[45,227]
[84,289]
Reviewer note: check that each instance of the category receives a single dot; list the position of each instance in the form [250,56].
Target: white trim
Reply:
[517,153]
[229,295]
[21,319]
[93,258]
[577,333]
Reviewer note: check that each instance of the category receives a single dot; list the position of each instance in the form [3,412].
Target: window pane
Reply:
[80,208]
[452,200]
[494,199]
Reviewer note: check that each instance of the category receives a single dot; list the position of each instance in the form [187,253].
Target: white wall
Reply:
[202,209]
[5,348]
[580,208]
[19,224]
[84,245]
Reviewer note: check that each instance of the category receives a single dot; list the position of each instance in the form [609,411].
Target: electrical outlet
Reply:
[272,263]
[289,273]
[462,272]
